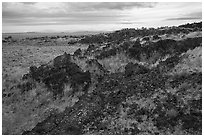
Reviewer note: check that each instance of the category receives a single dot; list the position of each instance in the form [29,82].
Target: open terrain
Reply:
[127,82]
[16,61]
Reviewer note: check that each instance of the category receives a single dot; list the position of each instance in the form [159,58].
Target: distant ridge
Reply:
[64,33]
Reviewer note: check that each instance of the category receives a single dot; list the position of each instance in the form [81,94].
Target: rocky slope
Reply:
[152,91]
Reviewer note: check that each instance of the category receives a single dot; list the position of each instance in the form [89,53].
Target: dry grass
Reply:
[192,62]
[118,62]
[81,63]
[115,63]
[23,111]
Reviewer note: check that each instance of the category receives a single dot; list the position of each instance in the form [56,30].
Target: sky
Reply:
[95,16]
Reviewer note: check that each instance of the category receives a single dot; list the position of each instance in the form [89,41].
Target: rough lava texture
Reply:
[59,72]
[155,93]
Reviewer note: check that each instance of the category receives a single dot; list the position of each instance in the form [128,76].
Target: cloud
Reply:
[130,22]
[42,15]
[195,14]
[71,18]
[184,18]
[29,3]
[111,5]
[67,13]
[33,9]
[189,16]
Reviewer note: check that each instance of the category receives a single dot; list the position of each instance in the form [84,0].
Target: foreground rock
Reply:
[59,72]
[72,120]
[143,101]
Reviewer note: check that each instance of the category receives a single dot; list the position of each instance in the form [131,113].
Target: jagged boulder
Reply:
[62,61]
[59,72]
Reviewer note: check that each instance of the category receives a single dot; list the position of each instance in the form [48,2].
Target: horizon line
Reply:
[99,30]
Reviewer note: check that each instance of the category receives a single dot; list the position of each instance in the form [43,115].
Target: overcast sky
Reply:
[65,17]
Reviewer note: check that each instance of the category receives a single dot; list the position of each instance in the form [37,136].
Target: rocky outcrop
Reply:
[72,120]
[58,72]
[140,99]
[144,100]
